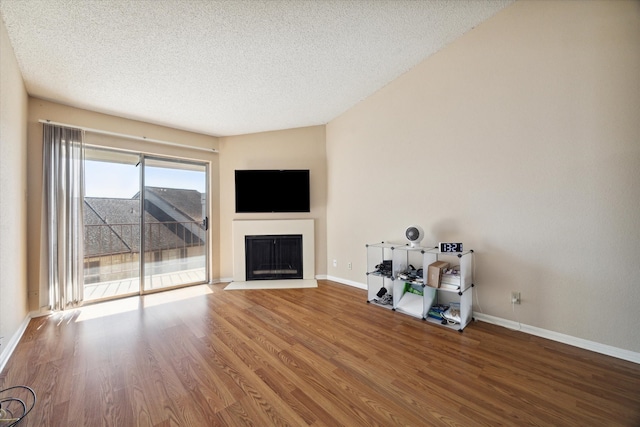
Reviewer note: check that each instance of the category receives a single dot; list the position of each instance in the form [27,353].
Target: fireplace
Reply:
[273,257]
[268,228]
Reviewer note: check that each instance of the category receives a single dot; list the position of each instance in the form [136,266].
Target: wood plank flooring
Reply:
[202,356]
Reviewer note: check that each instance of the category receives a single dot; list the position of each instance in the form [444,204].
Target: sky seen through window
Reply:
[122,181]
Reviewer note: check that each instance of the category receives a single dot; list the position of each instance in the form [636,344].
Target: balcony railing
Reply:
[112,251]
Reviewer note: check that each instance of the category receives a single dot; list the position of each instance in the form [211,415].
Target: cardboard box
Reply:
[434,273]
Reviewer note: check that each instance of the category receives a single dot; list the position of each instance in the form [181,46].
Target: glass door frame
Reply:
[143,275]
[142,157]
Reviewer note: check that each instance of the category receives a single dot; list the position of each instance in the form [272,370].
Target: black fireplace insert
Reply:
[273,257]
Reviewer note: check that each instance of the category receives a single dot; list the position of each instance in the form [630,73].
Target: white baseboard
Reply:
[608,350]
[13,342]
[44,311]
[347,282]
[619,353]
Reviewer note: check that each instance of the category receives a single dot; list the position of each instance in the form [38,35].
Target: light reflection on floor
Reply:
[123,305]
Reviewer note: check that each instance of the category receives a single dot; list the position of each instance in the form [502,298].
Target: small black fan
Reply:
[414,234]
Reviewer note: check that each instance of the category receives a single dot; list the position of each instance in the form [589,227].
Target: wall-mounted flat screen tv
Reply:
[272,191]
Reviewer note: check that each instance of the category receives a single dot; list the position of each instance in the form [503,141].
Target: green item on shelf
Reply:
[414,289]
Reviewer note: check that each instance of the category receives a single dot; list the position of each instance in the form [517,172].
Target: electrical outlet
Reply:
[349,266]
[515,297]
[335,262]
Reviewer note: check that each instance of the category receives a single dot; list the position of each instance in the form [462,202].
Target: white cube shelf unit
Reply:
[389,285]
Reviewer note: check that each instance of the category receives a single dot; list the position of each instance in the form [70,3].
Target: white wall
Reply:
[521,140]
[13,188]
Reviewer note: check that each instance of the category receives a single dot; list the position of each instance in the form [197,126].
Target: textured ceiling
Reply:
[227,67]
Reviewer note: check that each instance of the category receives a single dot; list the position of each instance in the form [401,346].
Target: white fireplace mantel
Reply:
[242,228]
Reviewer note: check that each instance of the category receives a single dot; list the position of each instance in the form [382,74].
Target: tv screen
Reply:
[272,191]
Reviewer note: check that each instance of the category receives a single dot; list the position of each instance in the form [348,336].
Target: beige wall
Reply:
[521,140]
[13,188]
[45,110]
[302,148]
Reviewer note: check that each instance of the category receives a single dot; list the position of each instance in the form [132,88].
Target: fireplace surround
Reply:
[273,227]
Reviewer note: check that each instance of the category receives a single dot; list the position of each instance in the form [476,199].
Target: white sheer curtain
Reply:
[63,207]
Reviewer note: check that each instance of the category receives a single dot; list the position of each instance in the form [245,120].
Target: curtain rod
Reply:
[122,135]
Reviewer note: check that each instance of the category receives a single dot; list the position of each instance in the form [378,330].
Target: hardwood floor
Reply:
[203,356]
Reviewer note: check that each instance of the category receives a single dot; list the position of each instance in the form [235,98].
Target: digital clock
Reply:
[450,247]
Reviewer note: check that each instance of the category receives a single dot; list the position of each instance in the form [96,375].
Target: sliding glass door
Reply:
[111,224]
[145,223]
[175,223]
